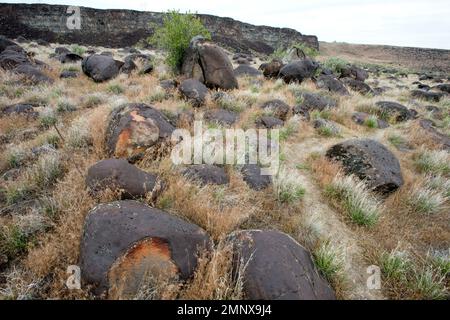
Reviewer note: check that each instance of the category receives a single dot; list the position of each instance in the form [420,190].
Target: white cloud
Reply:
[416,23]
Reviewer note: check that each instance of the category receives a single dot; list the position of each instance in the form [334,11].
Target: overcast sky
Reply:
[415,23]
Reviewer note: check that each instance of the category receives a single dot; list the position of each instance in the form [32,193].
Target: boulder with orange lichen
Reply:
[127,242]
[133,128]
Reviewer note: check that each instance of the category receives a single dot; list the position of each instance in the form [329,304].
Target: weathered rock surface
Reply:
[279,108]
[244,70]
[370,161]
[100,67]
[271,69]
[357,85]
[330,83]
[119,175]
[427,95]
[314,101]
[298,71]
[394,110]
[194,91]
[125,242]
[269,122]
[253,177]
[221,116]
[209,64]
[278,267]
[437,136]
[133,128]
[206,174]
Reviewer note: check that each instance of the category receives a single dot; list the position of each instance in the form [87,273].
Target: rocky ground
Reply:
[87,179]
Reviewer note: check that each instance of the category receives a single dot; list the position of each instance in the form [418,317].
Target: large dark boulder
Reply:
[5,42]
[100,67]
[278,108]
[394,110]
[355,73]
[119,175]
[221,116]
[21,108]
[206,174]
[126,242]
[133,128]
[194,91]
[32,74]
[271,69]
[10,59]
[358,86]
[444,87]
[330,83]
[370,161]
[277,267]
[298,71]
[69,57]
[314,101]
[269,122]
[209,64]
[253,177]
[427,95]
[438,137]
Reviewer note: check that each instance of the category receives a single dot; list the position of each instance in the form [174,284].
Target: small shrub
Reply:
[335,64]
[307,50]
[372,122]
[46,171]
[47,118]
[353,196]
[65,106]
[158,95]
[12,241]
[425,200]
[175,35]
[16,157]
[395,265]
[79,135]
[78,50]
[396,140]
[433,162]
[329,262]
[431,284]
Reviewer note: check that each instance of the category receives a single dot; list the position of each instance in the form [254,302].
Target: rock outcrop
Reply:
[122,28]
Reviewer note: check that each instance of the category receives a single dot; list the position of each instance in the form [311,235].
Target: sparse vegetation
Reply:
[362,208]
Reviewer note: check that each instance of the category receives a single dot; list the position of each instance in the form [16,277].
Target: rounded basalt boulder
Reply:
[209,64]
[276,267]
[119,175]
[272,68]
[246,70]
[206,174]
[135,127]
[314,101]
[269,122]
[331,84]
[394,110]
[358,86]
[279,108]
[370,161]
[221,116]
[100,67]
[298,71]
[124,243]
[427,95]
